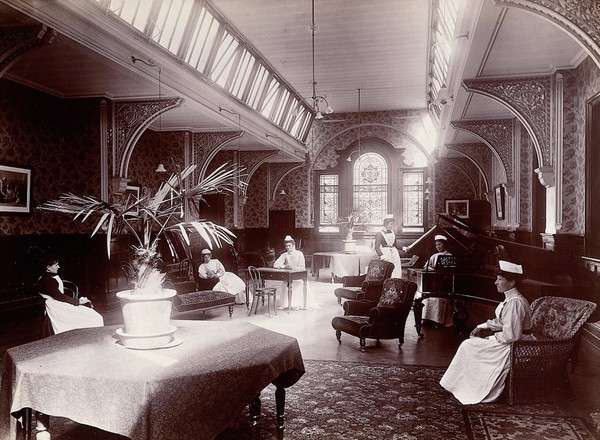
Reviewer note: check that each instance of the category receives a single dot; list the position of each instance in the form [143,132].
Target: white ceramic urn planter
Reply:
[147,319]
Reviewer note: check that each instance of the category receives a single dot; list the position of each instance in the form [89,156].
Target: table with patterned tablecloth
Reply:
[191,390]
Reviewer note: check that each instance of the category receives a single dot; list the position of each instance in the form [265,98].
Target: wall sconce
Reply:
[161,168]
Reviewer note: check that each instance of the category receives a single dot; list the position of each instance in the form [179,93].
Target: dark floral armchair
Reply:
[384,320]
[367,286]
[539,368]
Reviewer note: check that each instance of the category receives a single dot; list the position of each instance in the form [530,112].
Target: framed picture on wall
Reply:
[459,208]
[15,190]
[499,200]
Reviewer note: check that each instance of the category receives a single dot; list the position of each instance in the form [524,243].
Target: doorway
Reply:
[281,223]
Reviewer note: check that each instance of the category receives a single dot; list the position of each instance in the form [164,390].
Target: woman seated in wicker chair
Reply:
[479,369]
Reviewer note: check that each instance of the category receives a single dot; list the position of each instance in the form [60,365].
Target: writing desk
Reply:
[192,390]
[287,276]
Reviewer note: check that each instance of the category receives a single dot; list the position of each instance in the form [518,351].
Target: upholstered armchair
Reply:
[539,369]
[367,286]
[384,320]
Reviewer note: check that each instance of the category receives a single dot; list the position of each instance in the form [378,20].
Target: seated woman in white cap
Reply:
[438,310]
[385,245]
[293,258]
[479,369]
[213,269]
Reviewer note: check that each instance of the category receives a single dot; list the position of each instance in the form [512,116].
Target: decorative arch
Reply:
[252,160]
[530,100]
[497,134]
[206,145]
[481,157]
[278,171]
[131,119]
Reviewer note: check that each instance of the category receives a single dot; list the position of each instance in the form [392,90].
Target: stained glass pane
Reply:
[370,187]
[412,199]
[329,190]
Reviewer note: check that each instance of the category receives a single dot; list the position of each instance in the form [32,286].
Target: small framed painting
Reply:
[459,208]
[15,190]
[499,200]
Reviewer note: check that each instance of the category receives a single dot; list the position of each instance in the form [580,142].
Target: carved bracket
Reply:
[16,42]
[546,176]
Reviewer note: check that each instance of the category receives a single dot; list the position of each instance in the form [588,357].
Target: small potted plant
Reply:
[147,218]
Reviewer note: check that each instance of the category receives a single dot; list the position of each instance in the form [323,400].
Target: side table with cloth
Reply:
[192,390]
[342,264]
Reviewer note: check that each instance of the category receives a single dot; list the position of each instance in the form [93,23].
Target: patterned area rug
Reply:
[345,400]
[351,401]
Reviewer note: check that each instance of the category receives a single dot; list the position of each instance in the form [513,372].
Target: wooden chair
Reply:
[367,286]
[384,320]
[539,368]
[258,290]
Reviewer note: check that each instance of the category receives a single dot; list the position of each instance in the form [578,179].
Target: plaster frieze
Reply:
[131,119]
[480,155]
[579,18]
[530,99]
[497,134]
[15,42]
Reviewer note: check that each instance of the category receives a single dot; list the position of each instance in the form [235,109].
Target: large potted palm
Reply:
[147,305]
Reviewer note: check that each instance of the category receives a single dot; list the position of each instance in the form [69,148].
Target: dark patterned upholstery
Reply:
[539,369]
[383,320]
[367,286]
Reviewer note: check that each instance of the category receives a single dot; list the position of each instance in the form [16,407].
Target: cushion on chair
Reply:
[377,270]
[556,318]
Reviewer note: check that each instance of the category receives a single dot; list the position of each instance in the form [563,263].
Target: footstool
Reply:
[203,300]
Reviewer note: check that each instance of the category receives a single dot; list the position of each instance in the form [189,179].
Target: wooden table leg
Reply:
[254,408]
[280,406]
[305,292]
[289,287]
[418,312]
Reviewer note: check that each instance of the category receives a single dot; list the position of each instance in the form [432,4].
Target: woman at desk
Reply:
[479,369]
[438,310]
[293,258]
[385,245]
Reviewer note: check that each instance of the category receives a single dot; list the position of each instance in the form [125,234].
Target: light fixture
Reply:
[429,181]
[317,98]
[359,136]
[161,168]
[282,192]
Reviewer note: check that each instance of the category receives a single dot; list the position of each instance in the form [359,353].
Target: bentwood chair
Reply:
[259,292]
[384,320]
[367,286]
[539,368]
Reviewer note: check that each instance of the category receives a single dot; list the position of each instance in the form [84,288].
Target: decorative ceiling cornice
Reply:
[131,119]
[530,99]
[497,134]
[579,18]
[480,155]
[15,42]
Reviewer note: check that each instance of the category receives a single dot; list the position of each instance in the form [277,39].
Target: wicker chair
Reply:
[367,286]
[384,320]
[539,369]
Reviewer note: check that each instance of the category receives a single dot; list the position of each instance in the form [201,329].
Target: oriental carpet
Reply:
[347,400]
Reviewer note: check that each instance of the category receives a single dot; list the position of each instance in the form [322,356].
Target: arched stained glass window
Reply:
[370,187]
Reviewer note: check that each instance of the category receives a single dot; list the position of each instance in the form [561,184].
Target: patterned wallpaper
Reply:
[451,183]
[57,139]
[587,85]
[256,207]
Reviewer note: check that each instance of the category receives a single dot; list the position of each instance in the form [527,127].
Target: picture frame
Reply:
[15,190]
[460,208]
[134,191]
[499,201]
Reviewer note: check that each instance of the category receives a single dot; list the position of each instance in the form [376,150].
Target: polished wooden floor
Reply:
[316,337]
